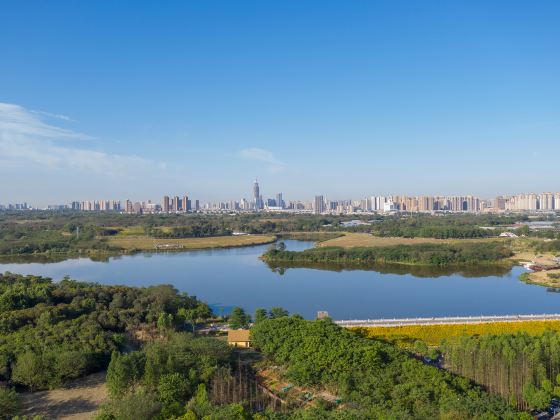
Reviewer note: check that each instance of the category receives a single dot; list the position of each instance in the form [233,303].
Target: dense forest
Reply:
[52,332]
[524,369]
[445,254]
[380,380]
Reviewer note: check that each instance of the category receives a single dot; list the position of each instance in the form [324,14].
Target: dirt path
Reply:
[78,400]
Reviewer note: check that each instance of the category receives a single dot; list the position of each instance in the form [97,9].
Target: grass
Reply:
[310,236]
[366,240]
[432,335]
[131,231]
[147,243]
[549,278]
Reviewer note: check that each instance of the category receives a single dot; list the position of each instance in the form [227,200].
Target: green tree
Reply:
[29,370]
[137,404]
[9,403]
[260,314]
[164,322]
[238,318]
[278,312]
[173,391]
[124,370]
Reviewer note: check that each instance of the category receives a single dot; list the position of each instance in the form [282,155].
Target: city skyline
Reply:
[320,204]
[313,99]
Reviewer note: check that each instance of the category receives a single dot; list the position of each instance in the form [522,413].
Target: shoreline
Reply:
[105,254]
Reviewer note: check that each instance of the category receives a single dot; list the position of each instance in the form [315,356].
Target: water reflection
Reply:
[403,269]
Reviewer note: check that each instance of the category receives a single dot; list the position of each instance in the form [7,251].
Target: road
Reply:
[395,322]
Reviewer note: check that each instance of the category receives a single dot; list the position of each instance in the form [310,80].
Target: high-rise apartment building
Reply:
[319,204]
[165,204]
[185,204]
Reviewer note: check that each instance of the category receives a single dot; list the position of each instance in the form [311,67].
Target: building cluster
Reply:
[15,206]
[397,203]
[97,205]
[529,202]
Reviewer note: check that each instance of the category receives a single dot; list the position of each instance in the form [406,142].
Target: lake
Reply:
[237,277]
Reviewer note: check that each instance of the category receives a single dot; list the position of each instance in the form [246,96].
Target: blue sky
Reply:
[347,99]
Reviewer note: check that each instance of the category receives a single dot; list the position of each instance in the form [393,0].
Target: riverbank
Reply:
[127,245]
[146,243]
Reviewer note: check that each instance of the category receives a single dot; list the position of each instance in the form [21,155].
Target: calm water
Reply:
[230,277]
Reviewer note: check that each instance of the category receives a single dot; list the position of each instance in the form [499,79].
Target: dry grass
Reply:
[147,243]
[538,258]
[350,240]
[78,400]
[542,278]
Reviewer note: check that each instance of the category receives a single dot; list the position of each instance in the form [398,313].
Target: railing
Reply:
[392,322]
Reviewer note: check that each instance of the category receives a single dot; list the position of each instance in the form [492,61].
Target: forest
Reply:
[53,332]
[445,254]
[524,369]
[379,379]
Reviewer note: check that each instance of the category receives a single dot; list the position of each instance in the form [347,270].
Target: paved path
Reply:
[445,320]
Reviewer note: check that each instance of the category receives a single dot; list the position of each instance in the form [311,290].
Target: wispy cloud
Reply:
[265,156]
[26,138]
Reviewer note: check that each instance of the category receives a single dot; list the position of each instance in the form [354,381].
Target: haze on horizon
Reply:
[134,100]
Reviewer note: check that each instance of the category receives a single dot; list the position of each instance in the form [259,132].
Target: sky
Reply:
[140,99]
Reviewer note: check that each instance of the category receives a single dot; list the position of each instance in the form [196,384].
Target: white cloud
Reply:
[262,155]
[26,139]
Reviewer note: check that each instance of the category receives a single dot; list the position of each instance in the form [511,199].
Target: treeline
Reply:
[201,229]
[523,369]
[52,332]
[379,380]
[468,253]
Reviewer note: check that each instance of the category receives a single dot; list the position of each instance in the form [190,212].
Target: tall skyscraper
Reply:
[257,201]
[185,204]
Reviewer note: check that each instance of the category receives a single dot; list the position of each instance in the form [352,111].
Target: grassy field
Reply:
[432,335]
[350,240]
[146,243]
[310,236]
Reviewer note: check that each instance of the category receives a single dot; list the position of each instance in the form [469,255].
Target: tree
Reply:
[30,370]
[124,370]
[278,312]
[173,391]
[238,318]
[9,403]
[164,322]
[137,404]
[260,315]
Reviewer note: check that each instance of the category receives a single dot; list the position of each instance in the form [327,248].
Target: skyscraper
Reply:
[185,204]
[256,196]
[279,200]
[319,205]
